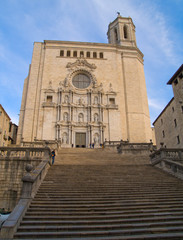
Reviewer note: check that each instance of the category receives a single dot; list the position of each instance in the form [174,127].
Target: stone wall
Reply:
[11,173]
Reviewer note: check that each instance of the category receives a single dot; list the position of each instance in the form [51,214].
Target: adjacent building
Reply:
[79,93]
[169,124]
[8,130]
[4,127]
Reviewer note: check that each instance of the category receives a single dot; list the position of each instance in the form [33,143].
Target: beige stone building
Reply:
[4,127]
[78,93]
[169,124]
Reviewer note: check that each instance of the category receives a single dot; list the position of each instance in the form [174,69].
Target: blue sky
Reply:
[159,33]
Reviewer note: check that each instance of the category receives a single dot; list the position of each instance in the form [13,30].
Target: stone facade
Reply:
[4,127]
[79,93]
[169,124]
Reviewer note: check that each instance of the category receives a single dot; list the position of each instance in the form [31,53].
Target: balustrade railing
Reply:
[31,183]
[169,160]
[24,153]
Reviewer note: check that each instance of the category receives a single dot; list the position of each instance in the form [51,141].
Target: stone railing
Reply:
[31,183]
[26,153]
[169,160]
[135,148]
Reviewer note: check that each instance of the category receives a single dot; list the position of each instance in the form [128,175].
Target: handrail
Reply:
[24,153]
[169,160]
[31,183]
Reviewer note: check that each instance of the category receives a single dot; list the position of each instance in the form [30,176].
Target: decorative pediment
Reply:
[81,63]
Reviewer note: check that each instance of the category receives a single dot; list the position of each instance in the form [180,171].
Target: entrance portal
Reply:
[81,140]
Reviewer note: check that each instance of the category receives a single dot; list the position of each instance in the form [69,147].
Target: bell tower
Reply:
[122,32]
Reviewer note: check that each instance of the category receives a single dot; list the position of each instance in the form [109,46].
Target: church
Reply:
[83,93]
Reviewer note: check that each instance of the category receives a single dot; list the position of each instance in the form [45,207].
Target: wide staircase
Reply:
[97,194]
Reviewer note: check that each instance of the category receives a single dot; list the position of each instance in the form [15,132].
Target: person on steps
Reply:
[53,156]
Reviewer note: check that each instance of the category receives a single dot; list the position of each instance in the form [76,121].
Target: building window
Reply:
[175,82]
[181,76]
[173,109]
[94,55]
[88,54]
[68,53]
[125,30]
[161,121]
[163,133]
[49,99]
[111,101]
[101,55]
[116,35]
[178,140]
[0,113]
[81,81]
[81,54]
[182,108]
[175,122]
[61,53]
[75,54]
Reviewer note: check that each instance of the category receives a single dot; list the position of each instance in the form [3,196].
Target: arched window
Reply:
[68,53]
[125,30]
[80,117]
[94,55]
[96,117]
[101,55]
[75,54]
[61,53]
[65,117]
[116,34]
[81,54]
[88,54]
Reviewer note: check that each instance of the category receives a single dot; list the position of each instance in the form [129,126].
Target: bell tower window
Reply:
[125,31]
[116,35]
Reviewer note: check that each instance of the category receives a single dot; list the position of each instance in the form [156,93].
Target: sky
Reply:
[159,34]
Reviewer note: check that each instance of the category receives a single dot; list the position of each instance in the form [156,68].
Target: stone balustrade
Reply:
[124,147]
[24,153]
[31,183]
[169,160]
[13,161]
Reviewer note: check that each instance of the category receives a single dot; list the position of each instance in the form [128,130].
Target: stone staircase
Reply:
[97,194]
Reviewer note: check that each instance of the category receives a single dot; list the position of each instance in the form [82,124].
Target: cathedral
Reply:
[83,93]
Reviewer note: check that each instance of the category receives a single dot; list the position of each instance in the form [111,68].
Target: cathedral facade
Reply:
[80,93]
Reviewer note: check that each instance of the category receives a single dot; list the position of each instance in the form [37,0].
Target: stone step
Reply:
[109,211]
[155,236]
[100,195]
[79,233]
[123,215]
[121,203]
[94,219]
[50,227]
[92,224]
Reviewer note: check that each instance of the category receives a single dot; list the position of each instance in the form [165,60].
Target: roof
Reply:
[5,111]
[164,110]
[175,75]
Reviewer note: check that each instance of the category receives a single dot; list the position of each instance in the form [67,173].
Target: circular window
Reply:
[81,81]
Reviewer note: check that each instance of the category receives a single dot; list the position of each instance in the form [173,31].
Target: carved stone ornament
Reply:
[81,63]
